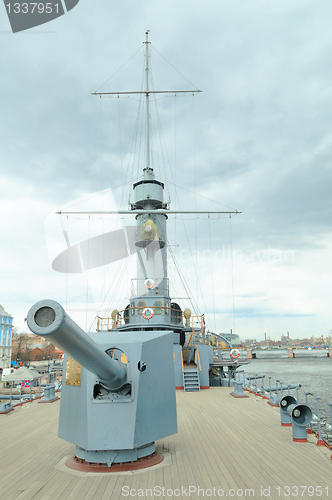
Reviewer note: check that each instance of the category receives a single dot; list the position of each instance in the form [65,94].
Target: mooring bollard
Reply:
[238,390]
[52,391]
[237,377]
[6,407]
[49,394]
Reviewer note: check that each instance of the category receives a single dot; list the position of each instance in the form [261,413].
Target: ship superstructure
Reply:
[151,307]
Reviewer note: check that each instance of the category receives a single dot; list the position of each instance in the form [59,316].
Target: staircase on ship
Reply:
[191,381]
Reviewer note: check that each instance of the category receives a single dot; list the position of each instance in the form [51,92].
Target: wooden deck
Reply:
[234,445]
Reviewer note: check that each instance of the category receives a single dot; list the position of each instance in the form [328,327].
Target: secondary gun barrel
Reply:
[48,319]
[254,377]
[279,387]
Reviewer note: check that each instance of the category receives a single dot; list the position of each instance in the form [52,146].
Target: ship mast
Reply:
[148,171]
[147,69]
[152,287]
[147,92]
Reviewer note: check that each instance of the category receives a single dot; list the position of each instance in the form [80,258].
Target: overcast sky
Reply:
[257,139]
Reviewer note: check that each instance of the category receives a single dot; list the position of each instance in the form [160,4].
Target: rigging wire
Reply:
[136,145]
[119,68]
[175,166]
[195,183]
[162,148]
[122,278]
[200,195]
[174,68]
[102,187]
[87,278]
[231,238]
[212,280]
[133,163]
[155,164]
[104,249]
[120,144]
[124,182]
[106,300]
[186,287]
[66,279]
[176,202]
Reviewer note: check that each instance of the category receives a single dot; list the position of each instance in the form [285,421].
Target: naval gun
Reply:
[118,394]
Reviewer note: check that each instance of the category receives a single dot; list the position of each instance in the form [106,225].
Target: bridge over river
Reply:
[289,353]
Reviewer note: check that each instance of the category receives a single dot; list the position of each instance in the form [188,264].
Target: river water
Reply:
[312,369]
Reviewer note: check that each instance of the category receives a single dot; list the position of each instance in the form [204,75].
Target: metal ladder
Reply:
[191,380]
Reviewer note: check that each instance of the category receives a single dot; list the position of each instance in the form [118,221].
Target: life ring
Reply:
[144,313]
[234,353]
[149,283]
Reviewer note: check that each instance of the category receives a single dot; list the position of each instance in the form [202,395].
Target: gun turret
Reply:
[118,418]
[48,319]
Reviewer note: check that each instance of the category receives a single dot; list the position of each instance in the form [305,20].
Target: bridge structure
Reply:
[289,352]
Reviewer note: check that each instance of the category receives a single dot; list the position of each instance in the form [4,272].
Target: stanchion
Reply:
[320,441]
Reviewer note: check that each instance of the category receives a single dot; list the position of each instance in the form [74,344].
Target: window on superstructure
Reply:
[141,304]
[166,307]
[132,306]
[157,306]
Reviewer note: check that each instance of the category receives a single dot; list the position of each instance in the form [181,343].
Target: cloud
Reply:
[258,139]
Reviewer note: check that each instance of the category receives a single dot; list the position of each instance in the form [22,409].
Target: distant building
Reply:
[6,326]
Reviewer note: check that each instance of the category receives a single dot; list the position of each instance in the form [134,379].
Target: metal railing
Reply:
[175,317]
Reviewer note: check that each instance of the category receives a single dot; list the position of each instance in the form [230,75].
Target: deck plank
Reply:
[222,443]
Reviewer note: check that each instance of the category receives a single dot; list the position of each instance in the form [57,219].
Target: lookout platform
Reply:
[236,446]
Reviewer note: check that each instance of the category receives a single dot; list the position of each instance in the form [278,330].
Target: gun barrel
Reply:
[48,319]
[279,387]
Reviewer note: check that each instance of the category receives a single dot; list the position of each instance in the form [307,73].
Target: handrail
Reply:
[182,361]
[199,360]
[191,336]
[179,315]
[229,348]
